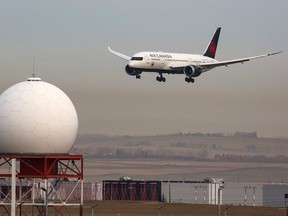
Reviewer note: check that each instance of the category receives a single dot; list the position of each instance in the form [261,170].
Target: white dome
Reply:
[36,117]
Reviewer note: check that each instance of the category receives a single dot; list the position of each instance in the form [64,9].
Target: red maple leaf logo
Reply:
[212,48]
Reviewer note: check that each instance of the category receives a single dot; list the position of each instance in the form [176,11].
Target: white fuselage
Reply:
[166,62]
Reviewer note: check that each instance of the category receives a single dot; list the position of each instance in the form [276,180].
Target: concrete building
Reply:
[197,192]
[255,194]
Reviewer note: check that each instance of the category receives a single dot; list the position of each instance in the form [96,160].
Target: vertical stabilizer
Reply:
[212,46]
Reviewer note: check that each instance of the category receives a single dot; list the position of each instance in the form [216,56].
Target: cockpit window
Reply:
[137,58]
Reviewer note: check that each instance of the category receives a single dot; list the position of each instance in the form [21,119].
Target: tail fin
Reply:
[212,46]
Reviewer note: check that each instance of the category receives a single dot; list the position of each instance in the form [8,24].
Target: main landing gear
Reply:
[160,78]
[138,76]
[189,79]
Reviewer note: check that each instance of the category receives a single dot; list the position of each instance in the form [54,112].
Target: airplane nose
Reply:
[131,64]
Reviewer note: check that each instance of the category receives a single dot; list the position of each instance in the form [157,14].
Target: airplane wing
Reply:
[120,55]
[209,66]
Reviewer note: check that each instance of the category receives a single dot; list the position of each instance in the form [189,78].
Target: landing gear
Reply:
[189,79]
[138,76]
[160,78]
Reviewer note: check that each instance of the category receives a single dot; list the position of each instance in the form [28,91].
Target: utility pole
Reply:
[195,190]
[226,208]
[159,213]
[221,187]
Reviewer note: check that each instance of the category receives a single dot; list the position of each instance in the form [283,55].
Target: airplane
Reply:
[191,65]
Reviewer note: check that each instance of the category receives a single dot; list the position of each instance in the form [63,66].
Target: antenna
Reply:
[33,75]
[34,78]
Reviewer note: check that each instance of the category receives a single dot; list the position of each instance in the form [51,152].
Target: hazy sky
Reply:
[69,40]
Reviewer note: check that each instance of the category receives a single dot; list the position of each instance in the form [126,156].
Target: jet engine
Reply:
[131,71]
[192,71]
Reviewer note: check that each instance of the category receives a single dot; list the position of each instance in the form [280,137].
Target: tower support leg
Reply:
[13,187]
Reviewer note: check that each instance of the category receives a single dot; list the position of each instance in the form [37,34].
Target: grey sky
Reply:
[69,41]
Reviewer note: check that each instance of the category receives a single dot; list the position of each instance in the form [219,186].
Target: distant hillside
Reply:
[241,147]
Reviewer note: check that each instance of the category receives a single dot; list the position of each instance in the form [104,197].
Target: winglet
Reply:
[269,54]
[120,55]
[275,53]
[212,46]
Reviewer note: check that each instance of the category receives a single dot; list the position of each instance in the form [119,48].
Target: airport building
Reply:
[132,190]
[256,194]
[208,191]
[191,192]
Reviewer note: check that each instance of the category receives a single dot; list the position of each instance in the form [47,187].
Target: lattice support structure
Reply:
[143,191]
[123,190]
[133,191]
[35,180]
[115,191]
[154,196]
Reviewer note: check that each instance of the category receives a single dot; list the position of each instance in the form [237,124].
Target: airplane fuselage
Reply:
[163,62]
